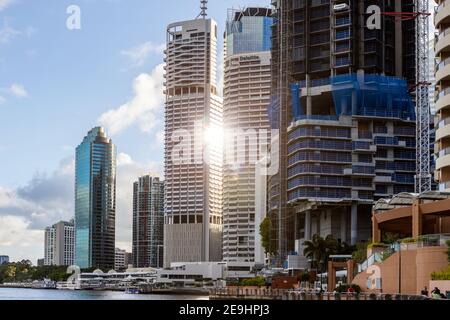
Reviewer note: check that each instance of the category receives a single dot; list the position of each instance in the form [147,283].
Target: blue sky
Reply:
[55,84]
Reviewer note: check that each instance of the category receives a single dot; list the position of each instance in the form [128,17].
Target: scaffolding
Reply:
[423,178]
[372,95]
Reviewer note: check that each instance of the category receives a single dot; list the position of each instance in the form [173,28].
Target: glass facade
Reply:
[248,31]
[148,222]
[95,201]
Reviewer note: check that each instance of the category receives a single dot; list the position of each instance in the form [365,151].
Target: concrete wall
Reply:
[182,243]
[443,285]
[416,268]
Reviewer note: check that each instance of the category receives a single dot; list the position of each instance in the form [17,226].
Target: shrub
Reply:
[360,254]
[441,275]
[253,282]
[377,245]
[409,240]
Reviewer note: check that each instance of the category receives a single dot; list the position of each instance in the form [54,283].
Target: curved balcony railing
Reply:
[444,33]
[443,63]
[444,186]
[441,6]
[442,93]
[443,123]
[444,152]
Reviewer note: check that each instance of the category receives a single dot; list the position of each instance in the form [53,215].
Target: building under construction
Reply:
[341,98]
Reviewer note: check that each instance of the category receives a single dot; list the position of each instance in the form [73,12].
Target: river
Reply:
[38,294]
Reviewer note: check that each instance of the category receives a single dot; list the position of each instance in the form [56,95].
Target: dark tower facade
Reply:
[346,120]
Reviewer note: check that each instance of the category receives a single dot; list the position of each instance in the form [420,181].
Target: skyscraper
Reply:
[442,107]
[246,99]
[59,244]
[95,201]
[4,260]
[347,122]
[121,260]
[148,222]
[193,154]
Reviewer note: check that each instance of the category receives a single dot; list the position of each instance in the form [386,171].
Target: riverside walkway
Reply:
[280,294]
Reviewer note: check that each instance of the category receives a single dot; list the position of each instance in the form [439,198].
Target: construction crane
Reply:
[421,16]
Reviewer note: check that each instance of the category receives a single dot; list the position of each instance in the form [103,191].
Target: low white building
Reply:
[202,271]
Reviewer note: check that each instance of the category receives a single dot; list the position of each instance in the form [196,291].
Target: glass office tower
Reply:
[95,201]
[248,31]
[247,80]
[148,222]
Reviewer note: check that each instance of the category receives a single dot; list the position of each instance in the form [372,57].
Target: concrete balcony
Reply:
[443,100]
[444,187]
[443,132]
[443,161]
[443,13]
[443,42]
[443,71]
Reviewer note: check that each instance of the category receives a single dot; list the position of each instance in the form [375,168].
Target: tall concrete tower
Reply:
[193,151]
[246,99]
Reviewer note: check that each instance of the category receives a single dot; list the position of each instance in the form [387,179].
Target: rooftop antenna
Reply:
[204,7]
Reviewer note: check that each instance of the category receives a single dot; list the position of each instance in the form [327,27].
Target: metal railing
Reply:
[443,123]
[442,93]
[289,294]
[444,186]
[425,241]
[441,6]
[443,33]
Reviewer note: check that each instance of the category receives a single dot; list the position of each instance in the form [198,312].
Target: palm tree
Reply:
[319,249]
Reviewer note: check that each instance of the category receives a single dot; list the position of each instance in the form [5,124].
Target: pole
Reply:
[400,269]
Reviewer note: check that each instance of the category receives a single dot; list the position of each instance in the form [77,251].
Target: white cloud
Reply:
[19,240]
[5,3]
[2,100]
[44,200]
[144,108]
[128,171]
[7,34]
[160,138]
[18,91]
[139,54]
[48,198]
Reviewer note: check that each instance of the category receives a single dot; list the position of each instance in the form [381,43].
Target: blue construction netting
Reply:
[296,93]
[372,95]
[274,113]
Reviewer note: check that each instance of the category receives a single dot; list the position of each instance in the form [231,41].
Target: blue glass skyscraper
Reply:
[248,31]
[95,201]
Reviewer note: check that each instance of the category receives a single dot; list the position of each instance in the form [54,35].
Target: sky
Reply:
[56,84]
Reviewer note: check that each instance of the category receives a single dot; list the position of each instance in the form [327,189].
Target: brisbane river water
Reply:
[38,294]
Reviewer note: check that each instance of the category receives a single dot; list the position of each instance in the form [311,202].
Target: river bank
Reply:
[53,294]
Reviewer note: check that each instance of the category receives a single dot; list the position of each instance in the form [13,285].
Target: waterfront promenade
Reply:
[280,294]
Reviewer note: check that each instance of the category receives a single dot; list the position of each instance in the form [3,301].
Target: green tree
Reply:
[390,238]
[360,254]
[265,230]
[319,249]
[345,248]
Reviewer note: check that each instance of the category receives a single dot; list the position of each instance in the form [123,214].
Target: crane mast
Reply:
[423,173]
